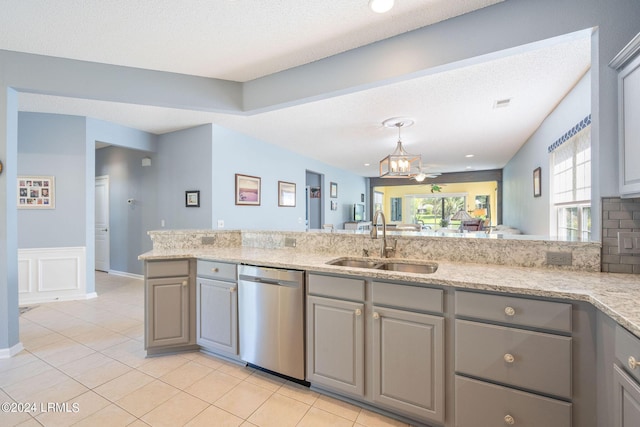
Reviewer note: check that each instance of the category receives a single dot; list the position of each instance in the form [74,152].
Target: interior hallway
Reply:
[90,355]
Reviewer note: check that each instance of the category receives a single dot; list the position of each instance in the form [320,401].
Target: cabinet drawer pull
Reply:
[633,363]
[509,420]
[509,358]
[232,289]
[358,312]
[185,283]
[510,311]
[376,315]
[214,270]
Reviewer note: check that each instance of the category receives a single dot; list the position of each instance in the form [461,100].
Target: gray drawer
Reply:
[628,347]
[541,362]
[410,297]
[172,268]
[337,287]
[479,404]
[515,310]
[217,270]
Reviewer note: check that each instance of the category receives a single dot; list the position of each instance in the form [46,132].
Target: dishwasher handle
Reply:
[266,281]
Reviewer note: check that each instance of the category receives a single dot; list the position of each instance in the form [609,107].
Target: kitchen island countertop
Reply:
[616,295]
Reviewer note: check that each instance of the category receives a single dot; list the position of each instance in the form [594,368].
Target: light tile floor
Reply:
[84,364]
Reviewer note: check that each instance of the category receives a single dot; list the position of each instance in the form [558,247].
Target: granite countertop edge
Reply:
[616,295]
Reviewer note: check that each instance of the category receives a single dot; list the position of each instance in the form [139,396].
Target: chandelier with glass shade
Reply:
[400,164]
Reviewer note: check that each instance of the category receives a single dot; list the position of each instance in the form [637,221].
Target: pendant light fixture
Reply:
[400,164]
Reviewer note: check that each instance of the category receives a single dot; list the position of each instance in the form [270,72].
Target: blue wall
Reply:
[128,223]
[272,164]
[520,209]
[53,145]
[184,164]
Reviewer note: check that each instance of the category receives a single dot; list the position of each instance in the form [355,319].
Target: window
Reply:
[435,211]
[571,162]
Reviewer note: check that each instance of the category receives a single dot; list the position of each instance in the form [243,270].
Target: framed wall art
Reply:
[247,190]
[286,194]
[537,185]
[333,190]
[36,192]
[192,199]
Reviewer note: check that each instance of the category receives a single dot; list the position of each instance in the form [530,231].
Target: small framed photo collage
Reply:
[36,192]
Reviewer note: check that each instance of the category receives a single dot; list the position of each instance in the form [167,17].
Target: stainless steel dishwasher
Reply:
[271,319]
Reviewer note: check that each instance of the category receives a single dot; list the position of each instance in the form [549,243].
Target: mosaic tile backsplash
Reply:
[619,215]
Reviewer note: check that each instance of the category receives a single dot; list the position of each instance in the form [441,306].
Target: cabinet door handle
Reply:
[508,419]
[214,270]
[633,363]
[376,315]
[358,312]
[232,289]
[185,283]
[509,358]
[510,311]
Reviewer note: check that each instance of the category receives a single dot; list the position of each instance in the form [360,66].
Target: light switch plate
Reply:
[629,242]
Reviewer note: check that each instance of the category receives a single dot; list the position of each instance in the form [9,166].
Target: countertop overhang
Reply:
[616,295]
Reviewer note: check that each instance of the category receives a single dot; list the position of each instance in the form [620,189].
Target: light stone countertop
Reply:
[616,295]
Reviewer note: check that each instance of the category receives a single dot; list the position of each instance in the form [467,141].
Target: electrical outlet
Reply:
[629,242]
[208,240]
[221,223]
[289,242]
[559,258]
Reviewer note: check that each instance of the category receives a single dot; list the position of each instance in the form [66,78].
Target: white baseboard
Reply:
[6,353]
[125,274]
[52,274]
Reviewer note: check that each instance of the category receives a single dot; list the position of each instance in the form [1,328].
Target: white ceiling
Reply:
[244,39]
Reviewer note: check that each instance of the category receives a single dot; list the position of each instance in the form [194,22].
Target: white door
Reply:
[102,223]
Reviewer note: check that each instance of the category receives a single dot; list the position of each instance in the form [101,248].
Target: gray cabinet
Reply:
[378,342]
[626,399]
[169,306]
[335,344]
[507,373]
[408,362]
[626,374]
[627,63]
[335,333]
[217,307]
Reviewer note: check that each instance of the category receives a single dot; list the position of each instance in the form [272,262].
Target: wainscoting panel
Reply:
[51,274]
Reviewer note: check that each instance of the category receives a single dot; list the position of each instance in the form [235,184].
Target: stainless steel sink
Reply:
[427,268]
[406,267]
[359,263]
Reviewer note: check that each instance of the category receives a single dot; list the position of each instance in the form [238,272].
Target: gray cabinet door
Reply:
[626,400]
[217,315]
[408,362]
[335,344]
[168,312]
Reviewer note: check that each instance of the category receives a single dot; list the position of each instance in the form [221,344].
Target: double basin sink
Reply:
[388,265]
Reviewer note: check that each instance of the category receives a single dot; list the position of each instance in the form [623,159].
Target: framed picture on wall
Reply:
[333,190]
[247,190]
[537,185]
[192,199]
[36,192]
[286,194]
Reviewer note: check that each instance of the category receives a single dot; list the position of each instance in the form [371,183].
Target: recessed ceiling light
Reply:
[502,103]
[469,155]
[380,6]
[367,164]
[470,167]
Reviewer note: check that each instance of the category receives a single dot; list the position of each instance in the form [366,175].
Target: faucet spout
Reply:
[384,248]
